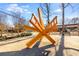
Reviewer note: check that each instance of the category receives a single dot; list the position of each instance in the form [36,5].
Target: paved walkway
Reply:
[17,47]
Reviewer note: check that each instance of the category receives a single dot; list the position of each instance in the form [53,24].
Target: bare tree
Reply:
[61,46]
[17,26]
[75,20]
[62,17]
[2,23]
[46,8]
[63,5]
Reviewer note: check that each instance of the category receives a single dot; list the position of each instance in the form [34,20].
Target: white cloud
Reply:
[25,6]
[29,12]
[13,5]
[58,11]
[16,8]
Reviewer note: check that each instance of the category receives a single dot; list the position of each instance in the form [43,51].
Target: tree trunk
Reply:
[47,13]
[62,17]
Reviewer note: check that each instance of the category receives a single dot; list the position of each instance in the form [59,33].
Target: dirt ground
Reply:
[17,47]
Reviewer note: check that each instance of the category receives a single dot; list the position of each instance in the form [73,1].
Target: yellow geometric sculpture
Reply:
[38,26]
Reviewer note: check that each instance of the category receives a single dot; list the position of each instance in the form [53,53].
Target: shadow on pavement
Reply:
[61,47]
[14,41]
[72,49]
[35,51]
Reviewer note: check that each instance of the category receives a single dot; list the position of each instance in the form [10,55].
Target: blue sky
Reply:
[26,10]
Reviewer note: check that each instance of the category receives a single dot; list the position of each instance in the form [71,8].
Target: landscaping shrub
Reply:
[26,34]
[2,38]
